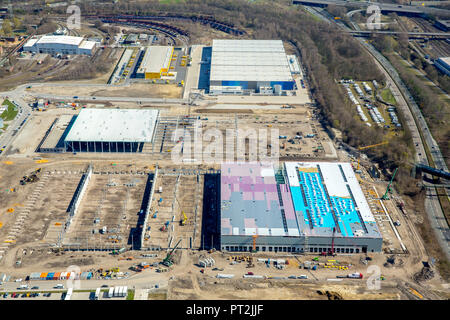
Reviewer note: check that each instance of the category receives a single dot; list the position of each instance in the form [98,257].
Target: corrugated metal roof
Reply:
[111,125]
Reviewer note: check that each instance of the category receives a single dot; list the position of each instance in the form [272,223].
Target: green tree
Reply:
[6,27]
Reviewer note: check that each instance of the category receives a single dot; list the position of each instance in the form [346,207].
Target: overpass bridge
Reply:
[433,171]
[384,7]
[411,35]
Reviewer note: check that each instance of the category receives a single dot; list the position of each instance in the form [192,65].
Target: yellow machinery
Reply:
[370,146]
[183,222]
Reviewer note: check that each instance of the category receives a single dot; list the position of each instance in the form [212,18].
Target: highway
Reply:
[418,35]
[137,281]
[384,7]
[18,123]
[420,132]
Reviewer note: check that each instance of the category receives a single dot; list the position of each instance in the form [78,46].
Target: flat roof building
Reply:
[110,130]
[299,207]
[59,44]
[131,39]
[156,62]
[249,65]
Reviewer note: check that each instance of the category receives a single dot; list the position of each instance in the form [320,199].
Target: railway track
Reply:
[439,48]
[151,20]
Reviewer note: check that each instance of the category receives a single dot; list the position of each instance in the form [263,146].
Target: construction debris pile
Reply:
[331,295]
[423,275]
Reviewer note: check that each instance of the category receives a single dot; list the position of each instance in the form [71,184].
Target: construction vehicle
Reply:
[250,263]
[165,226]
[183,221]
[386,196]
[31,178]
[168,262]
[368,147]
[331,251]
[254,242]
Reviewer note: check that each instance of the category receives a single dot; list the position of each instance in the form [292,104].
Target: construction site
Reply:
[93,180]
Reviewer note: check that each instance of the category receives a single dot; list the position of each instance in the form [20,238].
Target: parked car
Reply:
[35,288]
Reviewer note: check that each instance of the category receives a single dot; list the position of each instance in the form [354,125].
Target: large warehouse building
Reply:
[110,130]
[248,66]
[155,63]
[60,44]
[299,208]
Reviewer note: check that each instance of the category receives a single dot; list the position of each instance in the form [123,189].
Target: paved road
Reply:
[385,7]
[410,108]
[138,281]
[17,124]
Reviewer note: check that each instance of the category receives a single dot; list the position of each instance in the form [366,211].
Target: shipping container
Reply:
[56,275]
[50,276]
[43,276]
[125,291]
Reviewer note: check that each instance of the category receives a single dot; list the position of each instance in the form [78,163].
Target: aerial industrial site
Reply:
[176,150]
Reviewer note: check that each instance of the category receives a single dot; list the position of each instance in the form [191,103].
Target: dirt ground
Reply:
[136,90]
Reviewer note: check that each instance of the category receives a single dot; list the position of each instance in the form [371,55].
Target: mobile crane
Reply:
[168,262]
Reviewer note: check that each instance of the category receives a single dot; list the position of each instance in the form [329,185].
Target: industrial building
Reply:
[443,64]
[60,44]
[155,62]
[110,130]
[250,66]
[131,39]
[298,207]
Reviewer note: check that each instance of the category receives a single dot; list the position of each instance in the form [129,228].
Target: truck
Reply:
[355,275]
[111,292]
[68,295]
[97,294]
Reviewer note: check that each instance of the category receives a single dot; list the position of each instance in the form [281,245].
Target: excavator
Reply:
[183,221]
[31,178]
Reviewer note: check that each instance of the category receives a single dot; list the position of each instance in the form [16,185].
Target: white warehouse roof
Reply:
[113,125]
[67,40]
[249,60]
[87,45]
[30,42]
[155,59]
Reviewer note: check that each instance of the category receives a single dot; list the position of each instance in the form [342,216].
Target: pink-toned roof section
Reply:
[287,202]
